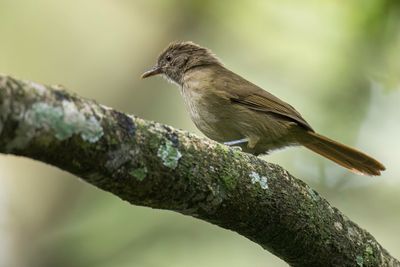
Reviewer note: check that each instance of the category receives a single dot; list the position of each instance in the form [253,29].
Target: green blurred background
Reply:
[337,62]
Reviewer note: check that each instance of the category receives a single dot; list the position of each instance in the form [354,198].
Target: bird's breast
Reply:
[201,111]
[211,112]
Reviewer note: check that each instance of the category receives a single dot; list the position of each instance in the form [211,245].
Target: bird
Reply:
[231,110]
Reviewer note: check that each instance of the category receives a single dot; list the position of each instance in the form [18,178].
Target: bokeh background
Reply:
[337,62]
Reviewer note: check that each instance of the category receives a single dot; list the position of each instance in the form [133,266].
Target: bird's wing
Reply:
[251,96]
[272,106]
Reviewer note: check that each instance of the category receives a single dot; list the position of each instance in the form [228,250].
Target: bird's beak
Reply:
[153,71]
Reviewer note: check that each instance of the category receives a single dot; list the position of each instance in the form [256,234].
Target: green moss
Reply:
[360,261]
[153,137]
[139,173]
[154,141]
[169,154]
[369,250]
[221,149]
[228,181]
[369,258]
[237,153]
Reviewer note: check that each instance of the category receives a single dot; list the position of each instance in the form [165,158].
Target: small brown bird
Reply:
[227,108]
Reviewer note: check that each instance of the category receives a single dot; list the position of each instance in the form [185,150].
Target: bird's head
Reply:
[180,57]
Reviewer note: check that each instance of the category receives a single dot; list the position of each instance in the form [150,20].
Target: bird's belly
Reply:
[213,124]
[222,121]
[212,119]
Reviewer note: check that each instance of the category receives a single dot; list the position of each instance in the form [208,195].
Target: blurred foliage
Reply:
[337,62]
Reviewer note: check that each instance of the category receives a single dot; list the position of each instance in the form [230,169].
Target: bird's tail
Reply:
[343,155]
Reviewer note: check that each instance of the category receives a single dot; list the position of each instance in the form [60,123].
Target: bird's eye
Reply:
[168,58]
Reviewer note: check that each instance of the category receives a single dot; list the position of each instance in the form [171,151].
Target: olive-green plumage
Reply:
[228,108]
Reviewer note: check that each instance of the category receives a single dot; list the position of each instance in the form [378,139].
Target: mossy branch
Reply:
[154,165]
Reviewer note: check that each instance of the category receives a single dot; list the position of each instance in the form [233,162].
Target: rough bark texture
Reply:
[154,165]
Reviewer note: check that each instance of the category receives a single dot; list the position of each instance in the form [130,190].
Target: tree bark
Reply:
[154,165]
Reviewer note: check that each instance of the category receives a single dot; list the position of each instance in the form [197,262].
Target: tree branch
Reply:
[154,165]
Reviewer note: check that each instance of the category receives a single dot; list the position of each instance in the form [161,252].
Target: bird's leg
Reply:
[236,142]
